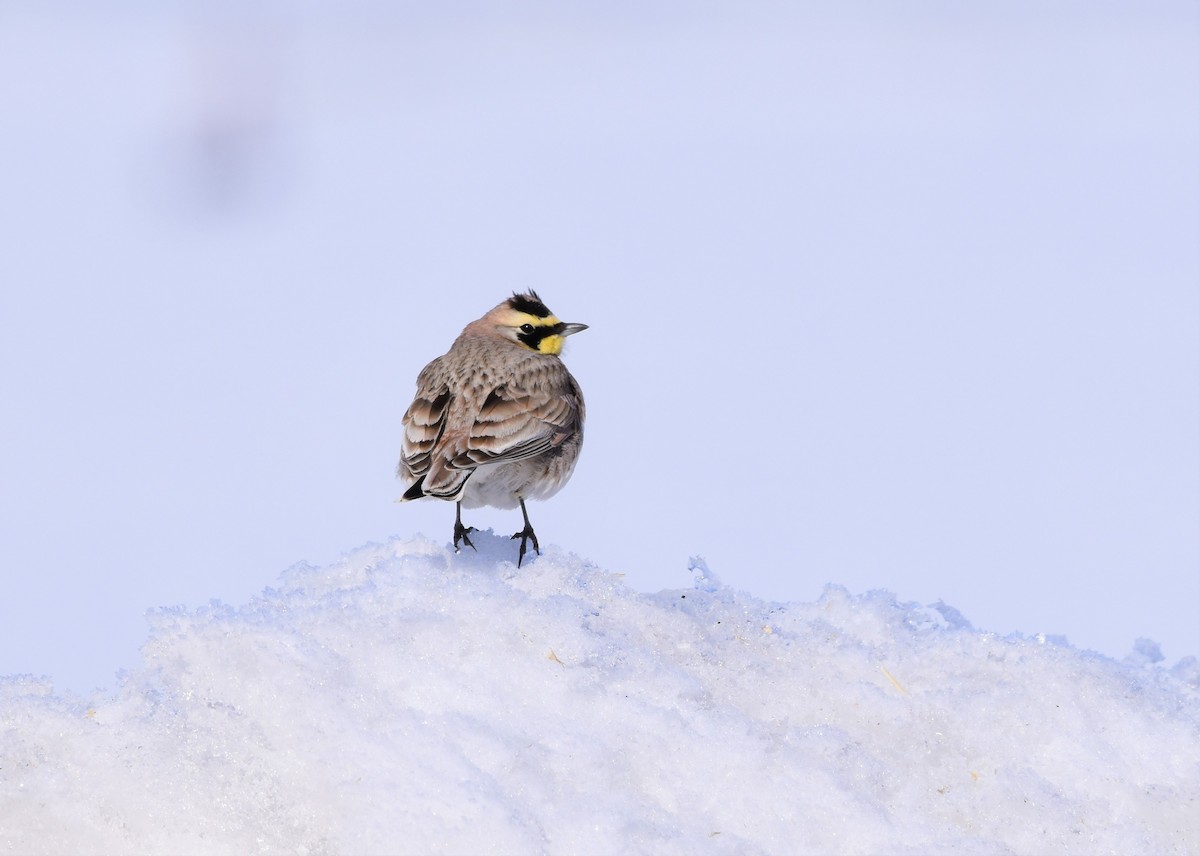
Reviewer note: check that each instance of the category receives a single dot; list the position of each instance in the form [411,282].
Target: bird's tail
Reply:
[451,491]
[415,491]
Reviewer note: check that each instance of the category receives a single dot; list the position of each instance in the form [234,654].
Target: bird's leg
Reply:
[460,531]
[526,534]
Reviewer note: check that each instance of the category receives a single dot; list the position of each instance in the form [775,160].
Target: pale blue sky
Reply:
[900,297]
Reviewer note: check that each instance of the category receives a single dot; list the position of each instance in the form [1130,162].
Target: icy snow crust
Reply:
[407,700]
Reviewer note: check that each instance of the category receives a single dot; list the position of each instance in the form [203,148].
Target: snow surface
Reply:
[408,700]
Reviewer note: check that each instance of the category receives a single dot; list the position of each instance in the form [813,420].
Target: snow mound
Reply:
[408,700]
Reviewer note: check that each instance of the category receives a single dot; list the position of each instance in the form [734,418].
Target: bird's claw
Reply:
[460,534]
[525,535]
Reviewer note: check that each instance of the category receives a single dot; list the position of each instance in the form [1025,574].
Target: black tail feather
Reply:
[417,490]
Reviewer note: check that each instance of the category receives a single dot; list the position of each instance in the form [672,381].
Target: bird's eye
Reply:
[526,328]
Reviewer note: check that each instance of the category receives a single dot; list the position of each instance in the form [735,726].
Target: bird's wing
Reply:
[516,423]
[444,442]
[425,421]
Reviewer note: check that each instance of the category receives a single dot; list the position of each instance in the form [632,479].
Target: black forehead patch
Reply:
[530,304]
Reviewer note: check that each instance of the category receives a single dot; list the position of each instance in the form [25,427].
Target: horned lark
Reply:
[497,419]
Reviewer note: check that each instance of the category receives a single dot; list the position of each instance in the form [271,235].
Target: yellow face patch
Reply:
[536,334]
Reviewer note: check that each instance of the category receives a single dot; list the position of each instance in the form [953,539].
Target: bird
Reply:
[497,419]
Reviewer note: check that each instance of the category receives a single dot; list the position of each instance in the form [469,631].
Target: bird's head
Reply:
[524,320]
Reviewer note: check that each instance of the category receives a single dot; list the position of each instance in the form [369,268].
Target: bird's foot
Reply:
[460,531]
[460,534]
[525,535]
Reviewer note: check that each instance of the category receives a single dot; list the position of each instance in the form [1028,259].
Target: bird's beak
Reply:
[568,329]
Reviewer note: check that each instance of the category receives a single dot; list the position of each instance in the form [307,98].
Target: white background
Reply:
[898,297]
